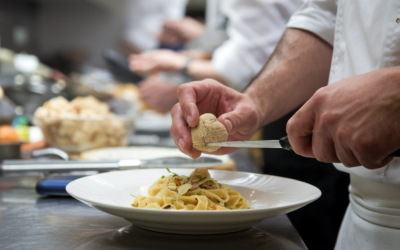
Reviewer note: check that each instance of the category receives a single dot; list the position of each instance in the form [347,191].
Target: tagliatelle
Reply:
[195,192]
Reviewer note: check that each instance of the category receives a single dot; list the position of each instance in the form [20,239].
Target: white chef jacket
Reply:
[254,29]
[145,18]
[366,37]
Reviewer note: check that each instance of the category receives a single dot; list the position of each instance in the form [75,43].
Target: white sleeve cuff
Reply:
[317,17]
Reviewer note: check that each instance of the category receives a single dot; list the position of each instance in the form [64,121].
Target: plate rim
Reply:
[149,210]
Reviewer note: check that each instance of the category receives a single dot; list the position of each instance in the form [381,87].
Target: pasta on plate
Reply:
[195,192]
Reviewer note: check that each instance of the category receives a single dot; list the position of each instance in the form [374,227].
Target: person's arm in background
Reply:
[255,28]
[299,66]
[170,61]
[182,30]
[158,95]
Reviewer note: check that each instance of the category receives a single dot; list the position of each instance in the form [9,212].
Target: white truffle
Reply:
[208,130]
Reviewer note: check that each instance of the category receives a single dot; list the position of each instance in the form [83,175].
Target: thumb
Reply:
[235,121]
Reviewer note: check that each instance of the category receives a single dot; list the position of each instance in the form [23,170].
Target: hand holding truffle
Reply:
[238,117]
[209,129]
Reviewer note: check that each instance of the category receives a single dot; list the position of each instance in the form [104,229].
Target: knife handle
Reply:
[284,141]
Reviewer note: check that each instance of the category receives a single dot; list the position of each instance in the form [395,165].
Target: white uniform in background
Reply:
[145,19]
[215,33]
[255,27]
[366,37]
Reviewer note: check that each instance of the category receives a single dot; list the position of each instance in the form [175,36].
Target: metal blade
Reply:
[14,166]
[57,165]
[248,144]
[181,160]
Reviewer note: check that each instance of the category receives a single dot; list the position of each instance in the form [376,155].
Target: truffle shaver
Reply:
[281,143]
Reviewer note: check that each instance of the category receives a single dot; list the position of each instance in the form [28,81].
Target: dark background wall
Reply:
[17,25]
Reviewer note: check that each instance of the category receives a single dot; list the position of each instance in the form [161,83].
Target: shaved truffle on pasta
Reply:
[195,192]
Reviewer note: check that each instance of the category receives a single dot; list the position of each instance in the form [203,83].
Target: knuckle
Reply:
[327,119]
[363,144]
[320,95]
[175,109]
[290,125]
[181,89]
[185,108]
[342,133]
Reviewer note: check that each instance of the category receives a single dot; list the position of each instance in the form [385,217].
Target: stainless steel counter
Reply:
[30,221]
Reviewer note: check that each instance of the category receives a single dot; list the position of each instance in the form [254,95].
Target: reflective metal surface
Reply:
[15,166]
[248,144]
[30,221]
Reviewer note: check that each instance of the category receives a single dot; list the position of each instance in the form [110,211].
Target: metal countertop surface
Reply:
[30,221]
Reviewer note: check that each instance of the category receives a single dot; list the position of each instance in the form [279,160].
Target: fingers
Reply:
[324,149]
[368,151]
[242,119]
[300,128]
[343,151]
[181,134]
[188,96]
[323,145]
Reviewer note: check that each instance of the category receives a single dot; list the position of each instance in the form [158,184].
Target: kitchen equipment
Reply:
[55,185]
[281,143]
[15,166]
[52,152]
[75,135]
[268,196]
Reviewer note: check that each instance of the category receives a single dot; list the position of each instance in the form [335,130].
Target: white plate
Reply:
[146,153]
[268,196]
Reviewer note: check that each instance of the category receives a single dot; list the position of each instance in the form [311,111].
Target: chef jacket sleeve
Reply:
[318,17]
[255,28]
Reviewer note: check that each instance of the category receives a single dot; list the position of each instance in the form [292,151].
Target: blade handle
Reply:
[284,141]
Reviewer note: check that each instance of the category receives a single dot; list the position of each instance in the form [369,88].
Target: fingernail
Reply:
[228,124]
[189,119]
[181,143]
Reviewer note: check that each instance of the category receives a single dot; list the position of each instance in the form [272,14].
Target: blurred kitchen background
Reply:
[72,48]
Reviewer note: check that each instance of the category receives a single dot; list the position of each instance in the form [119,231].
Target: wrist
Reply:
[256,109]
[259,105]
[185,69]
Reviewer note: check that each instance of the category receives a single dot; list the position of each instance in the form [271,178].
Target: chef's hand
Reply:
[159,95]
[355,121]
[157,60]
[182,30]
[235,110]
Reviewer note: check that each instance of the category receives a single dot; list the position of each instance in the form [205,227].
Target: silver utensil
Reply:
[15,166]
[281,143]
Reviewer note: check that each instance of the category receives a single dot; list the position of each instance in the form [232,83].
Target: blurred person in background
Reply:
[254,29]
[145,21]
[198,36]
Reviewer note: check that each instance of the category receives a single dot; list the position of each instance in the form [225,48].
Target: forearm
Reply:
[299,66]
[202,69]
